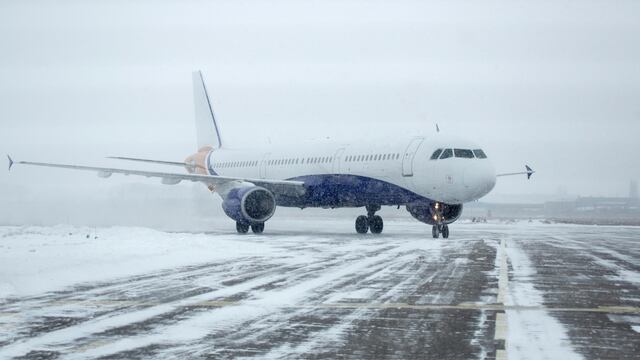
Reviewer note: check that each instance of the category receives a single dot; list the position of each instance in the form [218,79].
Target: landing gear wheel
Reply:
[257,228]
[435,232]
[362,224]
[445,231]
[376,224]
[242,228]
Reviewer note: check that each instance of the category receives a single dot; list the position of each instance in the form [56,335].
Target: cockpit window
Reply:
[480,154]
[463,153]
[436,154]
[447,153]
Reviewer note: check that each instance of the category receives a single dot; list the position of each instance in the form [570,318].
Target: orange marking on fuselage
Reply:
[199,161]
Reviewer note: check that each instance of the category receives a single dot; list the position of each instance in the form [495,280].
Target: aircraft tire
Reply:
[362,224]
[257,228]
[445,231]
[434,231]
[242,228]
[376,224]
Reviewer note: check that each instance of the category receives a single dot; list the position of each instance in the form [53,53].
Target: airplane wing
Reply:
[277,186]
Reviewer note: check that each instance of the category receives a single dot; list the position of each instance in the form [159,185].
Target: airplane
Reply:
[432,176]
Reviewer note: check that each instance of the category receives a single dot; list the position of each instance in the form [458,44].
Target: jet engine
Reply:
[428,213]
[249,204]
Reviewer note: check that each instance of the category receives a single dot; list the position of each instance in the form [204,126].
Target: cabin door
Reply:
[409,154]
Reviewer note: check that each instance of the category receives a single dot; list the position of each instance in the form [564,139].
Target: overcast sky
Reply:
[554,84]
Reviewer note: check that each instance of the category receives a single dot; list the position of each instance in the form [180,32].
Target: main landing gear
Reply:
[242,228]
[443,229]
[371,222]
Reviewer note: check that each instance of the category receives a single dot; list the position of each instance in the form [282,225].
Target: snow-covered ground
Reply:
[35,260]
[314,287]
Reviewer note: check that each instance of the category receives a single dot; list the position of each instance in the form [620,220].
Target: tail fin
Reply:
[207,130]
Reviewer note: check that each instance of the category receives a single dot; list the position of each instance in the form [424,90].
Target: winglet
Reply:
[529,172]
[10,161]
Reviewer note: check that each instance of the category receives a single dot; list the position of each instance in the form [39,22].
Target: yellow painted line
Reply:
[93,345]
[9,313]
[464,306]
[216,303]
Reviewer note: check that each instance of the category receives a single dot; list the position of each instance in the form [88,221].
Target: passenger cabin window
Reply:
[463,153]
[480,154]
[436,154]
[447,153]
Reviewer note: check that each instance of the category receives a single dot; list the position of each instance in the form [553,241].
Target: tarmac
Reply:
[316,290]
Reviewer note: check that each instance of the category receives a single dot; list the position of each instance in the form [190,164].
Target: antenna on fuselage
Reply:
[437,128]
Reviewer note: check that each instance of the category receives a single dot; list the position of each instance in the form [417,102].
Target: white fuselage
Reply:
[405,164]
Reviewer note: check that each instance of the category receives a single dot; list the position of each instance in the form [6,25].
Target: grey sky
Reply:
[555,84]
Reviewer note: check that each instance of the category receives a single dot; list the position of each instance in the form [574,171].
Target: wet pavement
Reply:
[491,291]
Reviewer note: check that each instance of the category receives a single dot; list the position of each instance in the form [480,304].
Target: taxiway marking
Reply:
[503,273]
[354,305]
[501,329]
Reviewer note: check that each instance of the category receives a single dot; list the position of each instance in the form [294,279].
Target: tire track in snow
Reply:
[150,316]
[228,318]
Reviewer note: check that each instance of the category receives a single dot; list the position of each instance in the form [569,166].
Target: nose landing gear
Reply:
[371,222]
[440,227]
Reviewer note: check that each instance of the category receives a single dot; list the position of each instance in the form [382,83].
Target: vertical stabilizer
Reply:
[207,130]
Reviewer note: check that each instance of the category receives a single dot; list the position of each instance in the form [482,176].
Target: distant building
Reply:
[603,203]
[606,210]
[633,189]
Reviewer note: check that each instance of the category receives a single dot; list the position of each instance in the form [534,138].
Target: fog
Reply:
[553,84]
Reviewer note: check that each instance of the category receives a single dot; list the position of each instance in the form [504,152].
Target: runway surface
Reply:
[316,290]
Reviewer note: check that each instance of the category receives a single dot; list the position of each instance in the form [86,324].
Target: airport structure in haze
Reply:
[581,209]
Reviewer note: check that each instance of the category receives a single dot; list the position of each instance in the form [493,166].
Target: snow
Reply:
[533,333]
[629,276]
[36,260]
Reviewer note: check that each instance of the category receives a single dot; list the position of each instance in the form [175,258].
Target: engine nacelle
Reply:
[426,212]
[249,204]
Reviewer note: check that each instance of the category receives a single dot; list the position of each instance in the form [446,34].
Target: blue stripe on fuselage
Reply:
[209,166]
[339,190]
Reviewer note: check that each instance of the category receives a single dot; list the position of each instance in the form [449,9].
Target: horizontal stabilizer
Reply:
[529,172]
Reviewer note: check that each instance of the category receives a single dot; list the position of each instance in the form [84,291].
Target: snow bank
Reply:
[36,260]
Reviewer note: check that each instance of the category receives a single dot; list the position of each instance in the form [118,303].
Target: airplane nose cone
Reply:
[490,180]
[479,180]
